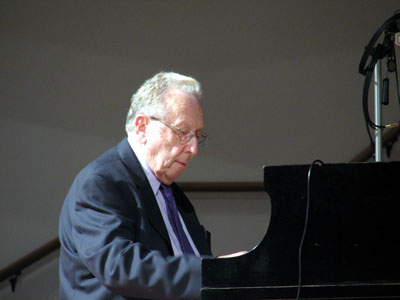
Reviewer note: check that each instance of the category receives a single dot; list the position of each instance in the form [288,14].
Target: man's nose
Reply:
[193,145]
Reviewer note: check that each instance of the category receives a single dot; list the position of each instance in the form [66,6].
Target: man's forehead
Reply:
[185,110]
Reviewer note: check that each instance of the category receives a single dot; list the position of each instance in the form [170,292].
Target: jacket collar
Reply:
[136,172]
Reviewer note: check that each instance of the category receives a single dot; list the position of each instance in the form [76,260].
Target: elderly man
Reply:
[126,230]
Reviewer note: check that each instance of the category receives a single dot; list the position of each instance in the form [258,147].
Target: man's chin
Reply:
[169,177]
[174,175]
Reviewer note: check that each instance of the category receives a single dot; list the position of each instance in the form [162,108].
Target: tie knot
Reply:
[166,190]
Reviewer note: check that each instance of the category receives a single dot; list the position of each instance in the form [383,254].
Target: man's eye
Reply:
[185,131]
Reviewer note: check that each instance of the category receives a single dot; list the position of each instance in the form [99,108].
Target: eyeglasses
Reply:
[185,134]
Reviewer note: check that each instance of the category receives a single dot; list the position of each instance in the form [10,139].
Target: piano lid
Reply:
[352,245]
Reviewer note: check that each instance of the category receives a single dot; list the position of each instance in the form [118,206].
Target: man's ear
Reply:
[141,122]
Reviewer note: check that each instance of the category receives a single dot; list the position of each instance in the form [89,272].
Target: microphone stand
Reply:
[391,27]
[378,111]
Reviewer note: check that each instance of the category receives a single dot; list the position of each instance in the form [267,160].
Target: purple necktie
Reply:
[173,217]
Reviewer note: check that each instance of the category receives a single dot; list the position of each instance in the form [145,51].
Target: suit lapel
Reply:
[147,197]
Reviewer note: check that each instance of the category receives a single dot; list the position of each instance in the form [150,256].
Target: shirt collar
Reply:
[154,182]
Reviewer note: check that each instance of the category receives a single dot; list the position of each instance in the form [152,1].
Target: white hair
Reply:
[148,99]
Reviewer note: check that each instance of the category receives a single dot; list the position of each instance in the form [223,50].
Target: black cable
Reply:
[368,77]
[371,141]
[305,223]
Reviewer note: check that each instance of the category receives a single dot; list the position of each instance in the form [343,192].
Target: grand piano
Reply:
[351,248]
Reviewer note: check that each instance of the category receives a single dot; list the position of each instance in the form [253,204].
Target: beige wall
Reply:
[280,79]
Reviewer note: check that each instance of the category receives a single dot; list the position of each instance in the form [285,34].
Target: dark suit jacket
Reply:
[114,244]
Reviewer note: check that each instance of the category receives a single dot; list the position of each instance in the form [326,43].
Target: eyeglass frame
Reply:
[180,133]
